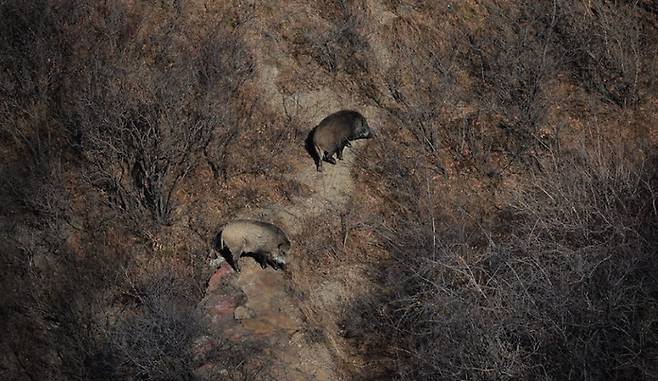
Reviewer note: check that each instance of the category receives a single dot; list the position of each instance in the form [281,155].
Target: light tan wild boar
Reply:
[335,132]
[263,241]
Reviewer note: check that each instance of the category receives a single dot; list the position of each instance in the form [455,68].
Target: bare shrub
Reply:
[83,93]
[562,285]
[423,82]
[343,47]
[145,127]
[32,67]
[154,337]
[608,48]
[143,150]
[55,331]
[512,59]
[33,182]
[103,318]
[504,67]
[224,67]
[597,199]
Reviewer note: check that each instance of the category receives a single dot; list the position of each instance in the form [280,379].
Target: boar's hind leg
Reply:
[339,153]
[318,159]
[329,157]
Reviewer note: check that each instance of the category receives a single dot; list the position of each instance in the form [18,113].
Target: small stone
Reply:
[203,346]
[215,263]
[242,313]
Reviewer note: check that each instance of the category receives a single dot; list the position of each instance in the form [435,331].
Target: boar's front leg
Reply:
[235,259]
[328,156]
[236,264]
[261,258]
[339,153]
[341,147]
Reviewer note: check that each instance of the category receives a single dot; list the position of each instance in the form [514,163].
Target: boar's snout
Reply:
[365,133]
[278,262]
[279,259]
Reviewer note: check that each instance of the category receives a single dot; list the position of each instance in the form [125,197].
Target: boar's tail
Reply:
[308,143]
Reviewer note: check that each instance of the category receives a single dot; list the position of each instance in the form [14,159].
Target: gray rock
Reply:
[215,263]
[242,313]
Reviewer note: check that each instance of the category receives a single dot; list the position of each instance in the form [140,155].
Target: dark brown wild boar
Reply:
[335,132]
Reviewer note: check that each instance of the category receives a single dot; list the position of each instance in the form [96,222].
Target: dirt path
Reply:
[276,311]
[268,314]
[263,307]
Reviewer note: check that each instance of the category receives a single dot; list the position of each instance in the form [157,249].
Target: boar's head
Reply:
[362,130]
[280,255]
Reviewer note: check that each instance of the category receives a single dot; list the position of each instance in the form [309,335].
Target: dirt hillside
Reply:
[501,224]
[276,314]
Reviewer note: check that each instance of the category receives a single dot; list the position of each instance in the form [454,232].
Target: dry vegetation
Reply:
[106,111]
[507,211]
[560,284]
[521,229]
